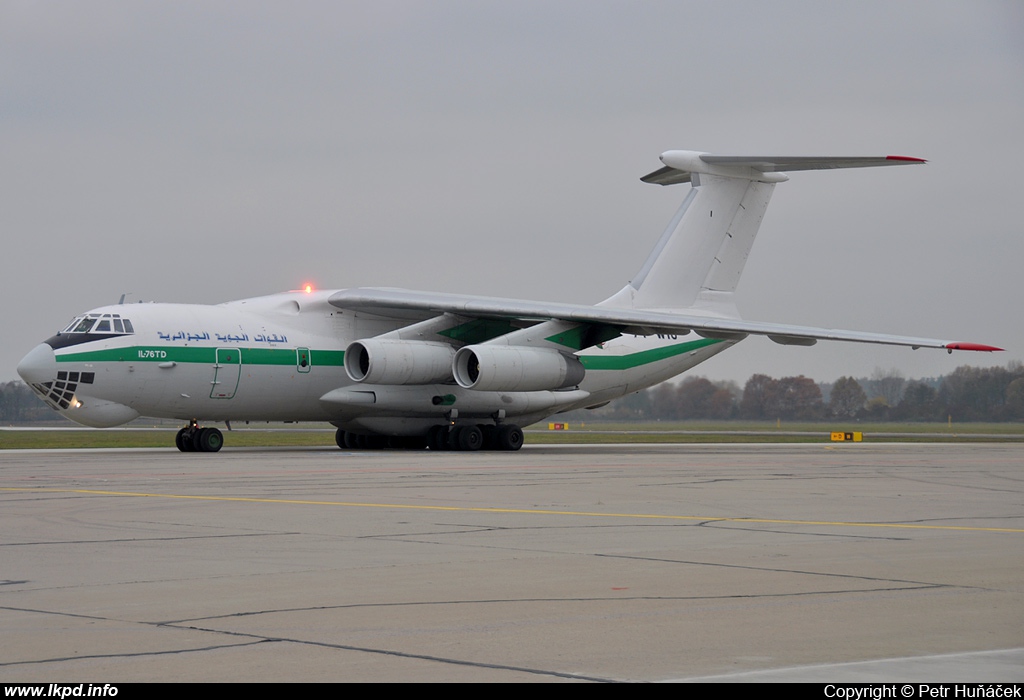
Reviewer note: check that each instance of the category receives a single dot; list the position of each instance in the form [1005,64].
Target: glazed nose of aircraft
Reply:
[39,365]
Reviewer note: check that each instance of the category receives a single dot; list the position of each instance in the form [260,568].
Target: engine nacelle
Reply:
[386,361]
[515,368]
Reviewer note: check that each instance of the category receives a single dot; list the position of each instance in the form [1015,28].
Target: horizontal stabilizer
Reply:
[681,165]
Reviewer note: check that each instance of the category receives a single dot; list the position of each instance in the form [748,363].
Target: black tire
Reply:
[510,438]
[351,441]
[437,438]
[407,443]
[490,436]
[453,438]
[210,440]
[339,438]
[183,444]
[470,438]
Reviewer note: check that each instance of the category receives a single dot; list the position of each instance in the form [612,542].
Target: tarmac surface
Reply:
[826,563]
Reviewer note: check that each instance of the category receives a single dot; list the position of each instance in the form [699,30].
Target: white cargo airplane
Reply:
[415,369]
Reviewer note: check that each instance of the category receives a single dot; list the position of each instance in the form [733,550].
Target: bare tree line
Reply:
[967,394]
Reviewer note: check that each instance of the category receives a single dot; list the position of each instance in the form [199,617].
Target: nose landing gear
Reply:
[195,439]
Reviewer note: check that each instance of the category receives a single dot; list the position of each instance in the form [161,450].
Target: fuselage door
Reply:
[226,371]
[303,360]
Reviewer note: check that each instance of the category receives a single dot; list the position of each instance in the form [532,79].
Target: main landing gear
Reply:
[468,438]
[196,439]
[359,441]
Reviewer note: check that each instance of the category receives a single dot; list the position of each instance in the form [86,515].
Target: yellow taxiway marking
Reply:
[525,511]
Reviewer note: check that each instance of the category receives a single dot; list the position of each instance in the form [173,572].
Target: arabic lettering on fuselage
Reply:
[272,338]
[192,337]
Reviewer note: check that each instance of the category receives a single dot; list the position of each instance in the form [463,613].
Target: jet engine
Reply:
[386,361]
[515,368]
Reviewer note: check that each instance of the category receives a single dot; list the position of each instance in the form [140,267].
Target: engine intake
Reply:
[385,361]
[514,368]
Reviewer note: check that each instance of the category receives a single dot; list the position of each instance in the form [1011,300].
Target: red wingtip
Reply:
[973,346]
[909,159]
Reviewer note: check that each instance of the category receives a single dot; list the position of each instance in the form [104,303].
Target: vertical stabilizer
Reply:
[700,257]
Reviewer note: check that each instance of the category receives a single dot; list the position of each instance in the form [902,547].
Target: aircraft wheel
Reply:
[452,443]
[210,440]
[407,443]
[490,436]
[181,442]
[470,438]
[510,437]
[339,438]
[437,438]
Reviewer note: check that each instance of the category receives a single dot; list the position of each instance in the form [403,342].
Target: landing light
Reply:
[308,289]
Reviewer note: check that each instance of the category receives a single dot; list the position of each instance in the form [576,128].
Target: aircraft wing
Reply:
[401,302]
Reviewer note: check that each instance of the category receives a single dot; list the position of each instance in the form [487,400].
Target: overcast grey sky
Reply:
[203,151]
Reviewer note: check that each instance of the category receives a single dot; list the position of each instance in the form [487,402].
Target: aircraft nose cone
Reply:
[39,365]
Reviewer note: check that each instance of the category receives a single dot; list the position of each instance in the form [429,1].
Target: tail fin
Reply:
[698,261]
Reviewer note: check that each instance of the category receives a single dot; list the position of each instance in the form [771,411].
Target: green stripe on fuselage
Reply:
[644,357]
[250,356]
[330,358]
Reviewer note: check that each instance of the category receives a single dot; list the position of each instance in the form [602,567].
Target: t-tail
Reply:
[698,260]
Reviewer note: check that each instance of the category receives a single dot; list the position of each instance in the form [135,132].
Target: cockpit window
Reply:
[95,323]
[84,326]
